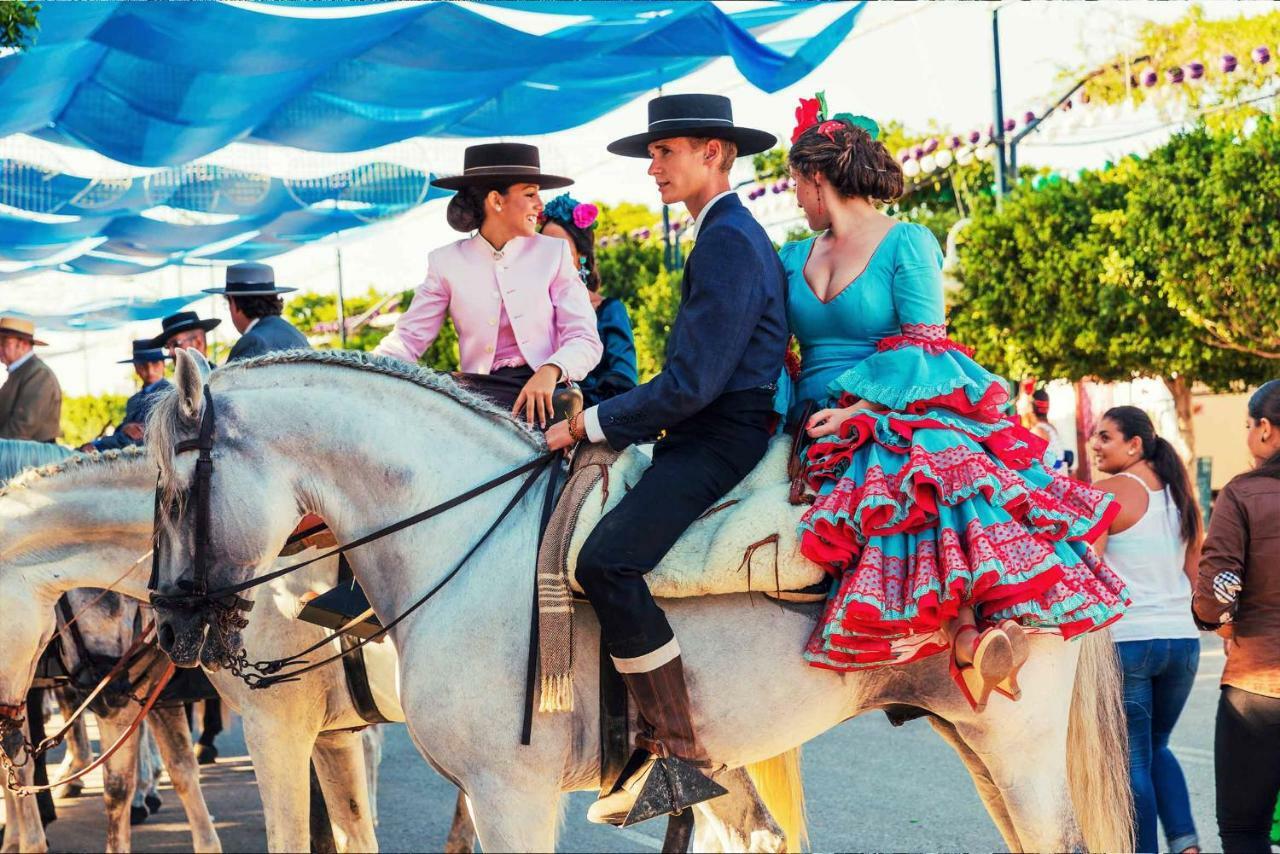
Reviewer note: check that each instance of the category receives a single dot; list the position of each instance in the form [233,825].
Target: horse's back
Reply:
[17,455]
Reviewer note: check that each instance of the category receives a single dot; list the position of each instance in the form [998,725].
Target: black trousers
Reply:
[501,387]
[1246,758]
[693,467]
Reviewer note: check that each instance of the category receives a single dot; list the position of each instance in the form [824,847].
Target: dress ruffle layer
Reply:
[940,502]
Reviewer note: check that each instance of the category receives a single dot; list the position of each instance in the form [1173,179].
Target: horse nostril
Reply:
[166,637]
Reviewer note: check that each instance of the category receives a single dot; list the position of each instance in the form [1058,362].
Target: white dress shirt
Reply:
[21,361]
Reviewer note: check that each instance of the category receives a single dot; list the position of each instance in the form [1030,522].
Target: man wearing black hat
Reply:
[148,363]
[183,330]
[256,306]
[714,400]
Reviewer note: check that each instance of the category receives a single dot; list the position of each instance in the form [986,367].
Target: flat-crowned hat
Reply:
[145,350]
[495,162]
[250,280]
[181,322]
[16,327]
[693,115]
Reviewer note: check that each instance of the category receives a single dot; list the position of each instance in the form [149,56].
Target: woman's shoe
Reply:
[1021,646]
[993,658]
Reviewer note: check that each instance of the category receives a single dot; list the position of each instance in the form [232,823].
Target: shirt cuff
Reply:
[591,421]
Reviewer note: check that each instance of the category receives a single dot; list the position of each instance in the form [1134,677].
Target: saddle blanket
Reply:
[748,541]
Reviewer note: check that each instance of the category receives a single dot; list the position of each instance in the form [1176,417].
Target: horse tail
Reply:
[781,787]
[1098,749]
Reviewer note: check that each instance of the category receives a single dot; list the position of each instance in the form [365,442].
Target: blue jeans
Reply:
[1158,676]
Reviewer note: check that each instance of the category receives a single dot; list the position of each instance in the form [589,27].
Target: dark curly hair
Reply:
[853,162]
[259,305]
[466,208]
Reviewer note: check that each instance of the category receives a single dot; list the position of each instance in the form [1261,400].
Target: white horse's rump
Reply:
[349,438]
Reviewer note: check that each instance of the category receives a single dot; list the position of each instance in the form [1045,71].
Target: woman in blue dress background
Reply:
[932,508]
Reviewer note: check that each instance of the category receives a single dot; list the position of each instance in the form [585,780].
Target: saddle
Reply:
[747,543]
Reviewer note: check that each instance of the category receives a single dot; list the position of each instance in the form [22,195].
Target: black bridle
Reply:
[226,601]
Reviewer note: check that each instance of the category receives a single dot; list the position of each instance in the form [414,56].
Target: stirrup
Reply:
[334,608]
[671,787]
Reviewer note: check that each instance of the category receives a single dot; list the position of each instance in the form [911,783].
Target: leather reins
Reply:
[227,598]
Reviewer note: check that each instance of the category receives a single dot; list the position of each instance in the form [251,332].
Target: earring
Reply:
[497,207]
[1131,452]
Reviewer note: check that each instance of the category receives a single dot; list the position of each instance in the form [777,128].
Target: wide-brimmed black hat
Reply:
[181,322]
[495,162]
[693,115]
[250,280]
[145,350]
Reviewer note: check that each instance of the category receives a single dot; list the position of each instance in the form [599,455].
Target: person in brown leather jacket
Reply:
[1238,595]
[31,398]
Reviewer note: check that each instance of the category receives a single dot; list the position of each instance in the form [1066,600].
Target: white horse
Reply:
[106,625]
[62,509]
[84,521]
[365,441]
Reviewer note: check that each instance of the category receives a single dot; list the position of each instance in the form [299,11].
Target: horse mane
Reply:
[165,420]
[73,465]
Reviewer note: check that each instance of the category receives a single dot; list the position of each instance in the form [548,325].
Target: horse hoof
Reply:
[153,803]
[206,754]
[137,815]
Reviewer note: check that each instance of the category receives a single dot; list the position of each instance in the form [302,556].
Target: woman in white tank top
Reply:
[1154,545]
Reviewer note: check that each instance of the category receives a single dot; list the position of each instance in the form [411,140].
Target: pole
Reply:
[997,127]
[668,255]
[342,308]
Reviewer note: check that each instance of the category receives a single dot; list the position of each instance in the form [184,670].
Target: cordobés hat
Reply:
[145,350]
[494,162]
[692,115]
[16,327]
[181,322]
[250,280]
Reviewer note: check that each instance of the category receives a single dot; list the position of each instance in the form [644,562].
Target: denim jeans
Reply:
[1158,676]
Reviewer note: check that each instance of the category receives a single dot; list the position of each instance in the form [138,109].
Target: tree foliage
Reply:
[85,418]
[18,24]
[316,314]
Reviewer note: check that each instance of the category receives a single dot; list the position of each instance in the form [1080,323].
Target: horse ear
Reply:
[189,376]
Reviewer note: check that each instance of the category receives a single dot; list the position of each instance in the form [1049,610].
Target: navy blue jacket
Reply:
[269,334]
[135,412]
[729,335]
[616,372]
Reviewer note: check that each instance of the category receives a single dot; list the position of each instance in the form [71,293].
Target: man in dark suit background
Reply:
[183,330]
[148,364]
[714,400]
[31,398]
[256,306]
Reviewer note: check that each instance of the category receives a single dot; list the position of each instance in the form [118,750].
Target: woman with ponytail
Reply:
[933,510]
[1238,595]
[1154,545]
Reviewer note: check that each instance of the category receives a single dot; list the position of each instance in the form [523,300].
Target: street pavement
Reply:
[869,787]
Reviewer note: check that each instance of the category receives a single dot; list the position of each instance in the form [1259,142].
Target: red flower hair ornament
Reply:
[812,112]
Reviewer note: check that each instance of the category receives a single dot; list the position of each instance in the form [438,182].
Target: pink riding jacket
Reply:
[533,278]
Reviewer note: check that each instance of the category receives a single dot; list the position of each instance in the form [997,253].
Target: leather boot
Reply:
[663,775]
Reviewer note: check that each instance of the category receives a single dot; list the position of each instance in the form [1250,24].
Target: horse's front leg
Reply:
[339,761]
[462,832]
[282,763]
[79,751]
[119,775]
[173,738]
[23,829]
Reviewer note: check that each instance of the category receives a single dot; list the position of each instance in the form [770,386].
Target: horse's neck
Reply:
[83,534]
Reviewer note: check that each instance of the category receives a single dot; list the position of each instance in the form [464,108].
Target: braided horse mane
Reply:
[164,423]
[74,465]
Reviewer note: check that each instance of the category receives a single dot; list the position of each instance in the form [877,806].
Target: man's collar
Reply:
[702,214]
[155,385]
[252,323]
[22,361]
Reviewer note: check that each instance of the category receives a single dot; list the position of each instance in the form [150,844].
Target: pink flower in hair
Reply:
[584,215]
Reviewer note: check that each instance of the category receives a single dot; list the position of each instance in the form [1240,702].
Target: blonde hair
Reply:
[728,149]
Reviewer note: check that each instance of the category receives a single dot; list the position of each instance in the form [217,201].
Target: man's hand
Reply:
[133,430]
[558,436]
[535,397]
[88,448]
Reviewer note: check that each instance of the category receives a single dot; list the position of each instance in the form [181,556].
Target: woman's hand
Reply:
[535,397]
[826,422]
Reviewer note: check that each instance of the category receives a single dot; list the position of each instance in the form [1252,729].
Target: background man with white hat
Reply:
[31,398]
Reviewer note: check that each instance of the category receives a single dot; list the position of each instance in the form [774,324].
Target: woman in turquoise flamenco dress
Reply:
[932,509]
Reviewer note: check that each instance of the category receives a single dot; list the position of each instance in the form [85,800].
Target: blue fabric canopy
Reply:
[156,84]
[108,314]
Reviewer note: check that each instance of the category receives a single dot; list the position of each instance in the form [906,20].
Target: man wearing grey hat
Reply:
[256,306]
[148,363]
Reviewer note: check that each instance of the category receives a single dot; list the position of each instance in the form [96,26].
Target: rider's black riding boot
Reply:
[663,774]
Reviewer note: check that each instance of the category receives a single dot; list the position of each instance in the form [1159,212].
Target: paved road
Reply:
[869,787]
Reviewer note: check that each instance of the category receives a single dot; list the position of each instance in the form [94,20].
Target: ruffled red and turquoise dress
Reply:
[937,498]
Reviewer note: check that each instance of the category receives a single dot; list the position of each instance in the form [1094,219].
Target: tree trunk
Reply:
[1180,388]
[1084,428]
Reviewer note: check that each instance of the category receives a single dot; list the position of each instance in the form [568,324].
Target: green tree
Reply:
[86,418]
[1052,287]
[317,316]
[1204,221]
[652,313]
[18,24]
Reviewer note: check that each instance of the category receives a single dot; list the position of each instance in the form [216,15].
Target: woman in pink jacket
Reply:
[525,322]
